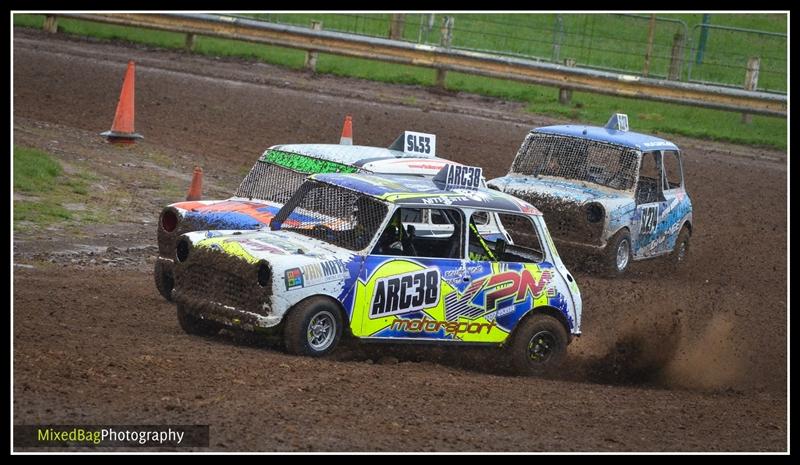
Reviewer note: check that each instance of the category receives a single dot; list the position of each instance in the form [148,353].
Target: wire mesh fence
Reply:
[640,44]
[719,55]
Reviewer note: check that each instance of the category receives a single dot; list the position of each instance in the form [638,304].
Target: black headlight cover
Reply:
[594,212]
[264,274]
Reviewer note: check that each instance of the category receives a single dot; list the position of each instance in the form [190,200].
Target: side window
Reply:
[411,215]
[649,168]
[672,170]
[480,218]
[400,237]
[438,217]
[648,187]
[524,245]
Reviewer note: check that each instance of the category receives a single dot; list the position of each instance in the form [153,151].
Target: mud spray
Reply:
[672,351]
[708,362]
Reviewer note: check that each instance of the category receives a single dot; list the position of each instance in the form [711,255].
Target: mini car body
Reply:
[276,175]
[342,257]
[617,194]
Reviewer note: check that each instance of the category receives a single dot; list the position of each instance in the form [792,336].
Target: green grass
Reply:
[644,116]
[34,171]
[603,37]
[42,190]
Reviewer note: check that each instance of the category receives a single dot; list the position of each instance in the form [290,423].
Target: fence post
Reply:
[429,25]
[649,53]
[565,95]
[701,44]
[676,60]
[558,37]
[50,24]
[190,41]
[396,26]
[311,57]
[751,82]
[446,40]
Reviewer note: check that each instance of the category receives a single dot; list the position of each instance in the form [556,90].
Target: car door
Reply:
[402,295]
[650,203]
[506,279]
[677,203]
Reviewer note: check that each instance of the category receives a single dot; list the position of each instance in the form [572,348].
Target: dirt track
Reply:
[685,362]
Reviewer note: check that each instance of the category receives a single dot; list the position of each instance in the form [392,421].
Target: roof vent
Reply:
[618,121]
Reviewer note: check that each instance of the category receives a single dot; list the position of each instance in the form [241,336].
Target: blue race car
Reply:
[617,194]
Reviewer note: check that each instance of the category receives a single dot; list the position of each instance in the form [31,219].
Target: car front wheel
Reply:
[618,253]
[313,327]
[539,345]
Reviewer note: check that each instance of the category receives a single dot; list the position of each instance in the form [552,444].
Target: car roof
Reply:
[349,154]
[418,192]
[634,140]
[372,159]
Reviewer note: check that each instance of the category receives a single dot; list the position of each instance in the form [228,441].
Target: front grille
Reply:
[220,286]
[199,284]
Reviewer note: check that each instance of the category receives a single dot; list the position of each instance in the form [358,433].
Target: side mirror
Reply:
[411,231]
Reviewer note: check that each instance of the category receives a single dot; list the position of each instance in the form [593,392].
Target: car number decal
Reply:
[419,143]
[649,217]
[405,293]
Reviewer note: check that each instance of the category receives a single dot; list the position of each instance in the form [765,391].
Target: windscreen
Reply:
[332,214]
[278,174]
[578,159]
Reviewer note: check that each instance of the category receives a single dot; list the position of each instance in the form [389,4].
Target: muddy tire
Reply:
[313,327]
[681,251]
[196,326]
[618,255]
[164,281]
[538,345]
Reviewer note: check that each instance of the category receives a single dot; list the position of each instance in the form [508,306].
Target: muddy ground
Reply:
[687,361]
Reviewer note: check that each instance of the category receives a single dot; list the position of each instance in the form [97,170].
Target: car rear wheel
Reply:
[618,253]
[313,327]
[539,345]
[196,326]
[681,251]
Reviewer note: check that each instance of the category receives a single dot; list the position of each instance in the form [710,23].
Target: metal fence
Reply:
[445,58]
[723,53]
[647,45]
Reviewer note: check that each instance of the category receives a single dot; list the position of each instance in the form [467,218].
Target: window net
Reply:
[277,175]
[333,214]
[577,159]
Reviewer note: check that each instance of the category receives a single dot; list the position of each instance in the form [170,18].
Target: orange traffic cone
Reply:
[122,130]
[196,189]
[347,131]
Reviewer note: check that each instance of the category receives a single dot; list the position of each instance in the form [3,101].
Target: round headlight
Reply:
[264,274]
[594,212]
[182,251]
